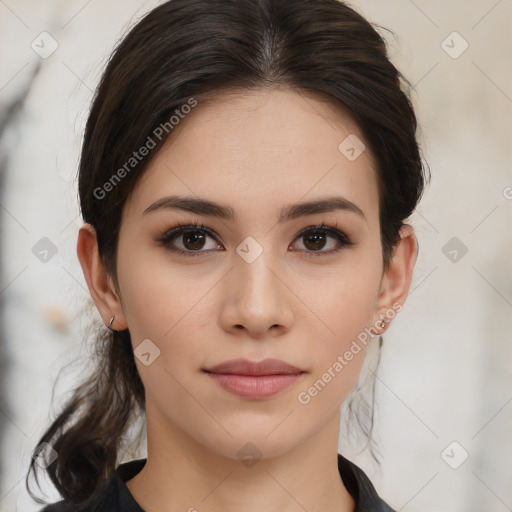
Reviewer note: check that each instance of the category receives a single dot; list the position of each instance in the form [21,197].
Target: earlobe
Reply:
[396,280]
[98,280]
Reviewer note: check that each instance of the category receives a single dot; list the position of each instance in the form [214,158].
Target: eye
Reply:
[193,240]
[316,238]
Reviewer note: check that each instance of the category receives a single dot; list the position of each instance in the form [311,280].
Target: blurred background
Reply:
[444,390]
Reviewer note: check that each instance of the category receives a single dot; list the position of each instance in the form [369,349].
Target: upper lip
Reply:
[246,367]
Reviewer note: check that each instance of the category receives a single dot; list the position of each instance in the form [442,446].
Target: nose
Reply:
[256,299]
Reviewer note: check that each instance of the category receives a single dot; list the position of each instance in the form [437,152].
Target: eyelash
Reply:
[173,233]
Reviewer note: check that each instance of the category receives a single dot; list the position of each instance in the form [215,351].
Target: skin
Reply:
[257,152]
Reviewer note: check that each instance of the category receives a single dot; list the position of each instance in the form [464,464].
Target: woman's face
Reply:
[256,282]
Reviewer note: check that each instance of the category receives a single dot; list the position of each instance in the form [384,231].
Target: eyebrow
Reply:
[205,207]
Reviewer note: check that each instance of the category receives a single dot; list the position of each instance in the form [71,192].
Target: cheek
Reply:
[345,298]
[155,294]
[343,308]
[167,304]
[338,355]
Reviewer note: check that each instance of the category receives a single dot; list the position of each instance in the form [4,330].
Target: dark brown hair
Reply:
[187,49]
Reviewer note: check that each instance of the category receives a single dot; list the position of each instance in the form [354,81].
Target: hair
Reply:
[200,49]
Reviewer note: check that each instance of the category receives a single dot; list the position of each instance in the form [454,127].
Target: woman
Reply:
[245,175]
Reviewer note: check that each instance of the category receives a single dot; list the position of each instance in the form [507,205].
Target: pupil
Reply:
[319,241]
[197,244]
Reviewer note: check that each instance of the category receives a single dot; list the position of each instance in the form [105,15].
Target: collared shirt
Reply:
[116,497]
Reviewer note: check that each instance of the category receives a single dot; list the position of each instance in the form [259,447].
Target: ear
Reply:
[99,282]
[396,280]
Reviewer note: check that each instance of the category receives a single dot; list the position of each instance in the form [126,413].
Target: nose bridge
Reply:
[256,295]
[257,282]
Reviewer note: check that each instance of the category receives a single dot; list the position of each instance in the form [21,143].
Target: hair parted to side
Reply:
[198,49]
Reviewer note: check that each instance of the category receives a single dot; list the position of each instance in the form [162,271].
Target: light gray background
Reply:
[446,372]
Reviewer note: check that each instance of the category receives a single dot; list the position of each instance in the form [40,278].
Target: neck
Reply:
[185,475]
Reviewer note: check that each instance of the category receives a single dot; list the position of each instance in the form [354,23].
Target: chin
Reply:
[248,446]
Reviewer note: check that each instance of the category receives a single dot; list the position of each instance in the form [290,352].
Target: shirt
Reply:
[116,497]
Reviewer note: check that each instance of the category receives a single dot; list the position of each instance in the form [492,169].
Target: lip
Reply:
[246,367]
[256,380]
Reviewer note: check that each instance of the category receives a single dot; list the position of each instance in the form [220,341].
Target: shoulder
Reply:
[361,488]
[98,505]
[112,497]
[95,503]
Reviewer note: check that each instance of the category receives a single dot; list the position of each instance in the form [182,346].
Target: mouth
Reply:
[255,380]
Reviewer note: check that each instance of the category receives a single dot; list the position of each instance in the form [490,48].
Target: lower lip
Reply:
[257,387]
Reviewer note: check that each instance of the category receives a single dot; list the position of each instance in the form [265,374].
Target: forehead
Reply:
[262,147]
